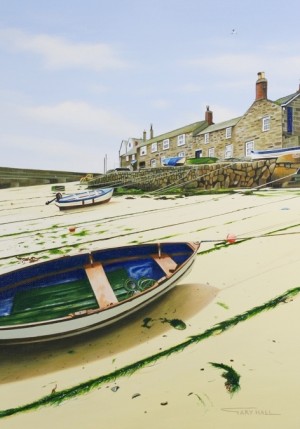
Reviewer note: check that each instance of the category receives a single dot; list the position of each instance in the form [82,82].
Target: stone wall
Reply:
[207,176]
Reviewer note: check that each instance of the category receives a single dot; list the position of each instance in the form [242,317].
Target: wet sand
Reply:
[187,388]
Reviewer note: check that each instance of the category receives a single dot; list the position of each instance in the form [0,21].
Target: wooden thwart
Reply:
[167,264]
[102,289]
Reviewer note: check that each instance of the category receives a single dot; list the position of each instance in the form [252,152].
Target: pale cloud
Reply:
[191,88]
[81,116]
[227,63]
[161,104]
[60,53]
[46,150]
[222,113]
[247,64]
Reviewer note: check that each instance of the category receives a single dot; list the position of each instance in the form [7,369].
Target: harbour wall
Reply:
[15,177]
[204,176]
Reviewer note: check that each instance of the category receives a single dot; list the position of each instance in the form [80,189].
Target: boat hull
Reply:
[85,199]
[87,320]
[174,161]
[275,153]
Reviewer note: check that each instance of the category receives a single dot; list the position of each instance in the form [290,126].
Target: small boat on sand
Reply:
[83,199]
[275,153]
[71,295]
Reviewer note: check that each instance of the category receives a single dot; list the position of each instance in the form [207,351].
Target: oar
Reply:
[57,197]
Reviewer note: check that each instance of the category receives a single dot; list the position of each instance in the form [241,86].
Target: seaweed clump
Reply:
[232,378]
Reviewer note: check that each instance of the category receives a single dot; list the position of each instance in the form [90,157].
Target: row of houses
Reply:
[265,125]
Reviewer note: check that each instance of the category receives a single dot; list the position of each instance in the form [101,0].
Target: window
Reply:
[166,144]
[211,152]
[143,150]
[129,145]
[266,123]
[289,113]
[153,163]
[249,147]
[181,154]
[181,140]
[154,147]
[162,160]
[228,132]
[133,157]
[206,138]
[198,153]
[127,158]
[228,151]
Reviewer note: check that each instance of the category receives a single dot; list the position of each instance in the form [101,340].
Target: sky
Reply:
[79,76]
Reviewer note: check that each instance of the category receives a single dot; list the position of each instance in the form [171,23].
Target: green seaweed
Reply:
[58,397]
[221,304]
[82,233]
[55,251]
[232,378]
[175,323]
[147,322]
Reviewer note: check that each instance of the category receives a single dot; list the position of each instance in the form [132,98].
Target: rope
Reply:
[139,285]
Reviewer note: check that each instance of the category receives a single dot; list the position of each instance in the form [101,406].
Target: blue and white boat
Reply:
[275,153]
[174,161]
[83,199]
[71,295]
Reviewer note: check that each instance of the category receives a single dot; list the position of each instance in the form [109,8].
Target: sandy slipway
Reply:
[220,350]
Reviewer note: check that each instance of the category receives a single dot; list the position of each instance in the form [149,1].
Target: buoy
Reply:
[231,238]
[72,228]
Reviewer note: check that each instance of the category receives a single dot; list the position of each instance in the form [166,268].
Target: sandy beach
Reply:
[230,295]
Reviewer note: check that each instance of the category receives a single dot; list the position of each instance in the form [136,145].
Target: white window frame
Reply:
[166,144]
[133,157]
[181,140]
[153,163]
[154,147]
[206,138]
[143,151]
[228,132]
[228,151]
[162,160]
[266,123]
[249,146]
[211,152]
[181,154]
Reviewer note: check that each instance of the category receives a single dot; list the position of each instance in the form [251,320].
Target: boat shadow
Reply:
[24,361]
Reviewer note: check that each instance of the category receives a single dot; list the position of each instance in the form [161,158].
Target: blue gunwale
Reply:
[67,279]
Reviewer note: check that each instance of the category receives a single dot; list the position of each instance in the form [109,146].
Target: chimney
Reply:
[144,136]
[151,132]
[261,87]
[209,116]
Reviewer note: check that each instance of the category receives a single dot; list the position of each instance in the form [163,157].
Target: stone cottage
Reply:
[266,125]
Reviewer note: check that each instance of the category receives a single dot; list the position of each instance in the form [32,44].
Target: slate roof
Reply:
[220,126]
[192,128]
[287,99]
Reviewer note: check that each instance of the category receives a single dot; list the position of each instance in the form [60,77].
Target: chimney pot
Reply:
[151,132]
[209,116]
[261,86]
